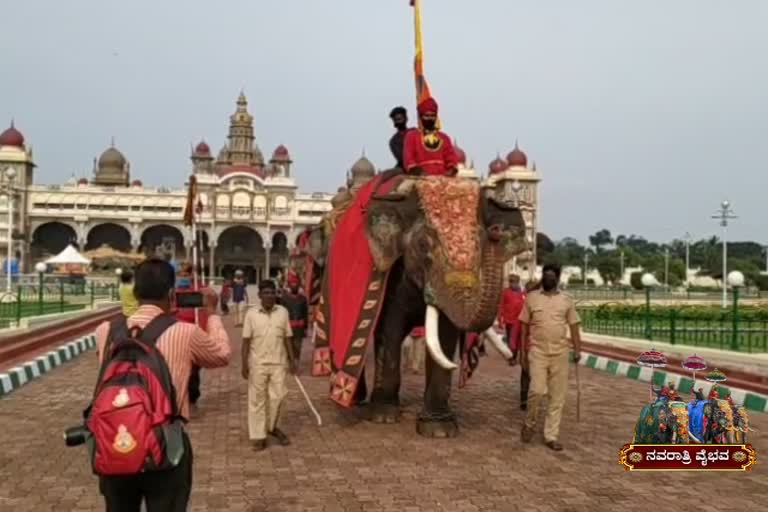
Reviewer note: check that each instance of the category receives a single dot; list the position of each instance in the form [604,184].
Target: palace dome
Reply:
[137,183]
[498,165]
[517,158]
[82,181]
[363,167]
[202,148]
[12,137]
[281,153]
[112,158]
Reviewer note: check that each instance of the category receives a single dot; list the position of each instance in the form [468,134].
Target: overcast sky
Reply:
[641,116]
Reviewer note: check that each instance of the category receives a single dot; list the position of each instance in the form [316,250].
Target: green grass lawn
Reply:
[10,311]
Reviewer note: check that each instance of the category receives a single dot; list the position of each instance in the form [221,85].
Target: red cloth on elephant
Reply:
[349,270]
[418,332]
[434,162]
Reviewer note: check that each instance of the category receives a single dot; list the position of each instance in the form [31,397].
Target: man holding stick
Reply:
[267,357]
[547,315]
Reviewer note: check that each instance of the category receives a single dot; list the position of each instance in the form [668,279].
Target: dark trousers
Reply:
[193,387]
[525,384]
[163,491]
[298,338]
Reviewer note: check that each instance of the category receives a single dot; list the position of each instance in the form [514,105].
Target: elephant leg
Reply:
[436,418]
[388,338]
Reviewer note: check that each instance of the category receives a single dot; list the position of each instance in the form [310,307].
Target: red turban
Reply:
[293,279]
[428,105]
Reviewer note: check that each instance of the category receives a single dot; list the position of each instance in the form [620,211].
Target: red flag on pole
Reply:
[422,87]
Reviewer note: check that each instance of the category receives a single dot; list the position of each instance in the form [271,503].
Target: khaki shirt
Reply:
[267,332]
[549,315]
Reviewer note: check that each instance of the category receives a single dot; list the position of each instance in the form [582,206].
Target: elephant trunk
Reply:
[491,284]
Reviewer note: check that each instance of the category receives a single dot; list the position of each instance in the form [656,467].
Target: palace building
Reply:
[252,212]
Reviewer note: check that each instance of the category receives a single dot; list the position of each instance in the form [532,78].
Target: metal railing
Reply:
[725,329]
[35,300]
[626,294]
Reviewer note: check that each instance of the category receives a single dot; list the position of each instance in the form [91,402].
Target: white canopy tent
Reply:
[69,256]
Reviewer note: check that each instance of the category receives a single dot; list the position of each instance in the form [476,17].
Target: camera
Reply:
[76,436]
[185,299]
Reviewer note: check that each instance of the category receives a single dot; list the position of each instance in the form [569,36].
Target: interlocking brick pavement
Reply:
[349,464]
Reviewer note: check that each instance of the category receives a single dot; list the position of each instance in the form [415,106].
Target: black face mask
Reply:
[549,284]
[401,126]
[428,124]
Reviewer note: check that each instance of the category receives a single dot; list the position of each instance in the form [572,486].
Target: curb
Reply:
[751,400]
[20,375]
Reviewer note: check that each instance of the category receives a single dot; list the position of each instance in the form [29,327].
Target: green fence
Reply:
[622,294]
[723,330]
[35,300]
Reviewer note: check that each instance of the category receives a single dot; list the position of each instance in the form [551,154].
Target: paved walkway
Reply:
[352,465]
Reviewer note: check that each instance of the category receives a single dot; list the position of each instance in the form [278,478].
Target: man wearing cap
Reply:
[298,313]
[427,150]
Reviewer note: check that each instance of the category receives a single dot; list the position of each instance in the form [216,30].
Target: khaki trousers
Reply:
[240,309]
[549,378]
[266,391]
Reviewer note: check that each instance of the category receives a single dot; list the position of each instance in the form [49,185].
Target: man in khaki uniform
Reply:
[547,315]
[267,356]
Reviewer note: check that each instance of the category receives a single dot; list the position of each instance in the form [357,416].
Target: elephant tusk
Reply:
[433,339]
[498,343]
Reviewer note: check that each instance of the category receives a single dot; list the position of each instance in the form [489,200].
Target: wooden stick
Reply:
[578,394]
[309,402]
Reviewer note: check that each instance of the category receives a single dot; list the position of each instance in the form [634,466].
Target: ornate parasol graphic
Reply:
[652,359]
[694,364]
[716,376]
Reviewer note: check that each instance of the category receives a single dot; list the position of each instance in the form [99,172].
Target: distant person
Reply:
[547,315]
[182,345]
[298,312]
[226,296]
[267,358]
[512,300]
[127,298]
[399,117]
[239,297]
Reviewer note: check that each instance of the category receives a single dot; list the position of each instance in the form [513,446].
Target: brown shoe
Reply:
[527,435]
[259,445]
[554,445]
[281,437]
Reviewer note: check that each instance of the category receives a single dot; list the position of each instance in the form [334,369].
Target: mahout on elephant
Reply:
[402,252]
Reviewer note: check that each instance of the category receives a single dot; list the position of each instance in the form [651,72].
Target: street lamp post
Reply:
[586,266]
[10,175]
[648,282]
[40,267]
[736,280]
[724,214]
[118,273]
[621,274]
[666,268]
[687,258]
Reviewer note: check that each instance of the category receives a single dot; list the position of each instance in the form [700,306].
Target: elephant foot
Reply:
[387,414]
[444,426]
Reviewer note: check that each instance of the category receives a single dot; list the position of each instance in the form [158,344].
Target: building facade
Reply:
[251,216]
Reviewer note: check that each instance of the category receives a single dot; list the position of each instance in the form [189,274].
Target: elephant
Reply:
[662,422]
[440,244]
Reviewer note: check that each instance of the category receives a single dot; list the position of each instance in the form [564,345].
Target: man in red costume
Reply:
[428,151]
[512,301]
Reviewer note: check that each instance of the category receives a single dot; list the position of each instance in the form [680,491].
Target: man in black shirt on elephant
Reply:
[399,118]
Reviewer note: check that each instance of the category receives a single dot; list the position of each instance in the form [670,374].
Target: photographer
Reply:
[191,315]
[182,345]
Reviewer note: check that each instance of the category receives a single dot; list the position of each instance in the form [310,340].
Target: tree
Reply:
[544,247]
[601,239]
[609,266]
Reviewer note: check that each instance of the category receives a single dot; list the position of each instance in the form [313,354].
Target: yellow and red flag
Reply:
[422,87]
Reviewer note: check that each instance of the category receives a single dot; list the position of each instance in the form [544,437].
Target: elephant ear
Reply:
[388,218]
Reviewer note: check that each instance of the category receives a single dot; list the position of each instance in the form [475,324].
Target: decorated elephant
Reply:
[405,252]
[662,422]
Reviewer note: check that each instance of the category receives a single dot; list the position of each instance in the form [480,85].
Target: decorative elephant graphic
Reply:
[436,249]
[662,422]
